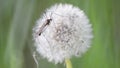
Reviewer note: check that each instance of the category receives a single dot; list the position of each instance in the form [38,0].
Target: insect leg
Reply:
[35,59]
[48,43]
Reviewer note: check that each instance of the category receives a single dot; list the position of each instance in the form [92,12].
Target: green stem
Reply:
[68,63]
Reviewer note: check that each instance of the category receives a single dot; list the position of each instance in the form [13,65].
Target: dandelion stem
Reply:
[68,63]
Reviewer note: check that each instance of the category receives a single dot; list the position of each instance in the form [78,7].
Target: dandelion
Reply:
[68,33]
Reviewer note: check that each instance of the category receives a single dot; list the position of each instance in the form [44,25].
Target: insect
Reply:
[46,23]
[41,29]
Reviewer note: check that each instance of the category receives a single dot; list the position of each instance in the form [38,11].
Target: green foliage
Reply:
[17,17]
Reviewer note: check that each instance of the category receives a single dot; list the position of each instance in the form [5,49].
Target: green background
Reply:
[17,18]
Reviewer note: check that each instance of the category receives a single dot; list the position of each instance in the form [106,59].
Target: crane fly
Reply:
[44,25]
[47,22]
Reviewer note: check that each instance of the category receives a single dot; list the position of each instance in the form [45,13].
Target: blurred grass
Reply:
[17,18]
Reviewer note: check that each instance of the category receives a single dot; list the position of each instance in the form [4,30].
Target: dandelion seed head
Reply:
[68,34]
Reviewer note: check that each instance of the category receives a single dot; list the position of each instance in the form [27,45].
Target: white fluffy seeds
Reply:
[68,34]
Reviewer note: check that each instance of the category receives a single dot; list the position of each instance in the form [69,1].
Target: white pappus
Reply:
[62,32]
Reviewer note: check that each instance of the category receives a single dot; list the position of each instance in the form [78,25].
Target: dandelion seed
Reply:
[68,34]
